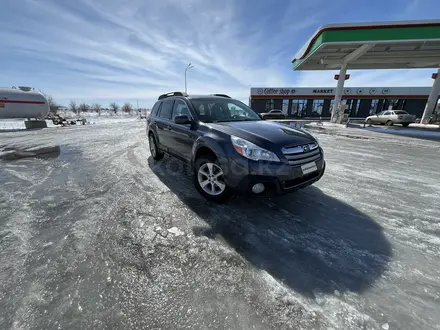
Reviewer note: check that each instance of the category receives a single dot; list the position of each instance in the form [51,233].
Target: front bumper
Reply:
[278,178]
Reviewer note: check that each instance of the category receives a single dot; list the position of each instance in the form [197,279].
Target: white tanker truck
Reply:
[22,102]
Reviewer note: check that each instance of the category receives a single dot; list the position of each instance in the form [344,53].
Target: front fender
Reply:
[217,145]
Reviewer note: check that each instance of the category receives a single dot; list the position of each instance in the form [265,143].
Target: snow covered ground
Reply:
[103,237]
[92,119]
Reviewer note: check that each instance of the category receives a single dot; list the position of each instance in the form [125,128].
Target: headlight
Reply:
[249,150]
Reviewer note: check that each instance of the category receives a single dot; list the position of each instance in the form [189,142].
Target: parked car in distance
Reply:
[230,149]
[391,117]
[273,114]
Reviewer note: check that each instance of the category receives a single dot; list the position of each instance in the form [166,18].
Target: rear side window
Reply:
[167,108]
[156,108]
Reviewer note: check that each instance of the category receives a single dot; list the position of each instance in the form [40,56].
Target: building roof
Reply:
[379,45]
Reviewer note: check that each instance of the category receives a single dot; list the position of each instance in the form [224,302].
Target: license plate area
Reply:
[309,168]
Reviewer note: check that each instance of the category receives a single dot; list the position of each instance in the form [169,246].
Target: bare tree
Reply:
[127,107]
[53,106]
[114,107]
[83,107]
[73,107]
[97,108]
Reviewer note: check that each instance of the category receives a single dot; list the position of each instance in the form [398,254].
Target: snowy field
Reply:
[102,237]
[92,119]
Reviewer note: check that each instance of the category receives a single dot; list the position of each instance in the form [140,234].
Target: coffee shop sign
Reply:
[276,91]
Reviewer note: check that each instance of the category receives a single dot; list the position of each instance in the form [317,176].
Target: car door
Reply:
[378,118]
[182,136]
[163,124]
[385,117]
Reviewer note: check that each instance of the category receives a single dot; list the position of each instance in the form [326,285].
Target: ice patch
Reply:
[48,198]
[176,231]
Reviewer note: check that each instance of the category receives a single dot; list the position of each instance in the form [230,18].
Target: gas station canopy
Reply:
[383,45]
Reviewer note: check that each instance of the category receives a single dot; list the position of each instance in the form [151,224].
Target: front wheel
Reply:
[368,121]
[209,179]
[405,125]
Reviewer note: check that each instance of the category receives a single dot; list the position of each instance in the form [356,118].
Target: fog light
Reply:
[258,188]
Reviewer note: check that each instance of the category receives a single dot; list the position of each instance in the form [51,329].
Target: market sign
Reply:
[322,91]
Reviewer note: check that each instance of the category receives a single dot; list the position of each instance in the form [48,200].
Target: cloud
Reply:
[105,50]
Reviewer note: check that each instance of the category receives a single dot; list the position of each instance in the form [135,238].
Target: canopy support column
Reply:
[336,115]
[431,104]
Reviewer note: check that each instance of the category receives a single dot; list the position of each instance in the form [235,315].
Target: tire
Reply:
[368,121]
[207,169]
[389,123]
[405,125]
[154,150]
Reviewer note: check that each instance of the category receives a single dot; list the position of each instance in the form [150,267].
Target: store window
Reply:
[285,106]
[392,104]
[270,105]
[374,106]
[317,106]
[354,109]
[299,107]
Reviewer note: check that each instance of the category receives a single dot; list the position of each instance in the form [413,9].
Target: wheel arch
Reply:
[207,145]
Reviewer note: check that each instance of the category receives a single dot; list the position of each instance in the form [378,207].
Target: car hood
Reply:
[263,132]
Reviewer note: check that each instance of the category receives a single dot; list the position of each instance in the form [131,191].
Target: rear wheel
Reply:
[155,153]
[209,179]
[405,125]
[389,123]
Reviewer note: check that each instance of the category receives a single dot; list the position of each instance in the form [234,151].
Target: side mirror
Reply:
[261,117]
[182,120]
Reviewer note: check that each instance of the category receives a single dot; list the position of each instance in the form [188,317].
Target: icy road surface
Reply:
[101,237]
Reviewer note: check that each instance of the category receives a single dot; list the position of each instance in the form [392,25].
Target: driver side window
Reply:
[180,109]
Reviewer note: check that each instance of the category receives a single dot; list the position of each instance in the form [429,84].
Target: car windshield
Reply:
[213,110]
[400,112]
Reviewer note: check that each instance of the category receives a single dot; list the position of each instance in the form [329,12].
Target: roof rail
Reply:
[163,96]
[222,95]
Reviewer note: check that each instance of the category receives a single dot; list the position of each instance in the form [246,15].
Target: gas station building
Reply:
[359,102]
[379,45]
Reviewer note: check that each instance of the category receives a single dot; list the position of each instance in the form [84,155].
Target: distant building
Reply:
[358,101]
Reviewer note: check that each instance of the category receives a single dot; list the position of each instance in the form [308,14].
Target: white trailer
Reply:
[22,102]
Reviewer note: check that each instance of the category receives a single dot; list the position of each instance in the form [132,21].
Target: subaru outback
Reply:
[230,148]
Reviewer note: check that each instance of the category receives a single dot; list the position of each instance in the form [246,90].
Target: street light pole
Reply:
[187,68]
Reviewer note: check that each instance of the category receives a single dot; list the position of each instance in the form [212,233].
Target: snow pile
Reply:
[10,125]
[407,131]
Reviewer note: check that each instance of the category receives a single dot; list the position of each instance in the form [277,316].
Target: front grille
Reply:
[302,154]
